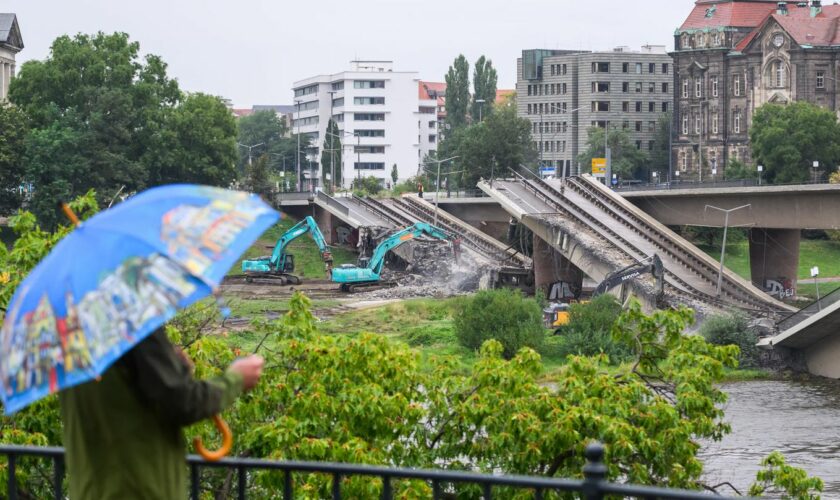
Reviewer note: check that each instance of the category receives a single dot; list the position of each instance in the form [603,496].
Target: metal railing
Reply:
[593,486]
[808,311]
[678,184]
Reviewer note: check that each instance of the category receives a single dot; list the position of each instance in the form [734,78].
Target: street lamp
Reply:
[654,174]
[816,166]
[714,169]
[480,103]
[760,169]
[815,272]
[297,122]
[249,148]
[344,133]
[437,183]
[723,246]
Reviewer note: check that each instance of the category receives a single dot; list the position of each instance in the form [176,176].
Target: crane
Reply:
[367,273]
[279,265]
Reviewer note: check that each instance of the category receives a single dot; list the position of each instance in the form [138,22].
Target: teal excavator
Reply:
[280,265]
[367,275]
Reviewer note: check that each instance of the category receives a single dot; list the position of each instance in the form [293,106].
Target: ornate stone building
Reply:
[10,44]
[731,57]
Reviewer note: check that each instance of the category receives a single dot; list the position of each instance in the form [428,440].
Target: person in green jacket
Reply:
[123,434]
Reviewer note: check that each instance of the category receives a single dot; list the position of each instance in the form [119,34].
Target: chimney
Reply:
[781,8]
[816,7]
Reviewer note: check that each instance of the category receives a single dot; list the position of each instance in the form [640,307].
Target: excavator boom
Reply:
[279,263]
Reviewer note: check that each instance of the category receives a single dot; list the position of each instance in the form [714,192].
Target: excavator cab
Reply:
[289,263]
[556,315]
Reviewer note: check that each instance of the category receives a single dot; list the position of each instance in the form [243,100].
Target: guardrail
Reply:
[677,184]
[331,202]
[808,311]
[593,486]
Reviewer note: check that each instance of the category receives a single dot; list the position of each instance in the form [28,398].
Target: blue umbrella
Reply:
[115,279]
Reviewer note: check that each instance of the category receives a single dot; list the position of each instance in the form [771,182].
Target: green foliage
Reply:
[484,85]
[660,157]
[103,119]
[589,331]
[331,157]
[788,482]
[628,161]
[500,142]
[503,315]
[733,329]
[395,174]
[787,139]
[256,177]
[269,130]
[367,185]
[458,92]
[736,170]
[13,130]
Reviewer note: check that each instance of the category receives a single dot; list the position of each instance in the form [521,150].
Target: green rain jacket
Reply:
[123,434]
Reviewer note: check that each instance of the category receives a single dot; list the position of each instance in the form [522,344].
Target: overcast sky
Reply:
[251,51]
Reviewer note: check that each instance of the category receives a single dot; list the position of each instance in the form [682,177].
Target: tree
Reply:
[13,131]
[261,127]
[484,85]
[457,93]
[256,177]
[500,142]
[628,161]
[786,140]
[503,315]
[395,174]
[736,170]
[660,157]
[104,119]
[331,155]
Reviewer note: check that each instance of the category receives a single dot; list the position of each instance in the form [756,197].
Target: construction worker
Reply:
[420,189]
[456,249]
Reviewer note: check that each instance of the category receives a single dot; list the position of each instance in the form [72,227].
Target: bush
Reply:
[503,315]
[589,330]
[367,185]
[733,329]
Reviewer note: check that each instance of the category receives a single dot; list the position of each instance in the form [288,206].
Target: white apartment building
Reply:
[383,116]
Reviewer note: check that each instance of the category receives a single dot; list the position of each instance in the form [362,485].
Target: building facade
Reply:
[382,115]
[11,43]
[564,93]
[733,56]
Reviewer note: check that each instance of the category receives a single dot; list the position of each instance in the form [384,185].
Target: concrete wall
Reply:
[822,357]
[774,260]
[550,267]
[488,217]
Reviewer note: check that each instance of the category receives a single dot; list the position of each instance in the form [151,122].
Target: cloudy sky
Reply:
[252,50]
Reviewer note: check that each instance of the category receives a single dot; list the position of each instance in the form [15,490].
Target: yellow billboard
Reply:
[599,166]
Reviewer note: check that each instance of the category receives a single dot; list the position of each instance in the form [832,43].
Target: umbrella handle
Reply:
[227,442]
[68,212]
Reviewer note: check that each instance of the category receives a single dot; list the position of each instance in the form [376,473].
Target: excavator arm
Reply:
[654,267]
[274,263]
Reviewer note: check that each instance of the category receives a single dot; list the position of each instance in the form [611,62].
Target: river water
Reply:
[799,418]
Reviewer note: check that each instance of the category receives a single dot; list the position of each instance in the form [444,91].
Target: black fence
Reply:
[593,486]
[808,311]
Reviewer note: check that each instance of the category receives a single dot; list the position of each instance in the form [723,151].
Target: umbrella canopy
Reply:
[115,279]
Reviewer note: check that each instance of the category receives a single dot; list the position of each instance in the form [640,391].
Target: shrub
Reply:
[367,185]
[733,329]
[588,331]
[503,315]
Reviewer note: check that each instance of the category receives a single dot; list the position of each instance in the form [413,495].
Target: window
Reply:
[552,70]
[651,107]
[638,144]
[650,145]
[369,165]
[565,126]
[685,88]
[600,67]
[697,124]
[362,101]
[563,107]
[625,87]
[600,105]
[552,87]
[638,87]
[600,87]
[820,79]
[683,161]
[370,149]
[306,90]
[564,70]
[338,85]
[306,106]
[564,85]
[651,126]
[369,117]
[625,106]
[638,106]
[701,40]
[426,110]
[625,124]
[651,68]
[737,126]
[715,39]
[529,109]
[625,67]
[638,126]
[714,86]
[714,123]
[664,87]
[651,87]
[698,87]
[736,85]
[369,133]
[638,68]
[779,74]
[302,122]
[432,124]
[685,125]
[530,90]
[664,68]
[337,103]
[369,84]
[664,107]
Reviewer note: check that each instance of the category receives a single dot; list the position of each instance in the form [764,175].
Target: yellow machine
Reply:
[556,315]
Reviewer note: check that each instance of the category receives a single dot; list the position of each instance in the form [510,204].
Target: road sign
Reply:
[599,167]
[546,171]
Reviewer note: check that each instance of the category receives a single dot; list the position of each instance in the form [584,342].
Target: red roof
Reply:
[822,30]
[240,112]
[503,94]
[434,87]
[713,14]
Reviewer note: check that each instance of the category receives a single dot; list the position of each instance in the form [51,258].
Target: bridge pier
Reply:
[550,266]
[774,260]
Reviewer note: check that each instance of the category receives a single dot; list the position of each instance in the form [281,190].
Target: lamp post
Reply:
[654,175]
[714,170]
[816,166]
[815,272]
[437,182]
[332,150]
[760,169]
[332,146]
[249,148]
[723,246]
[297,161]
[480,103]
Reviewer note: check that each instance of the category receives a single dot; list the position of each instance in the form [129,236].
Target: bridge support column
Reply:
[774,260]
[327,222]
[550,267]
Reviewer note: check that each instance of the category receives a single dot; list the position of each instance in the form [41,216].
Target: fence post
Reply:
[594,472]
